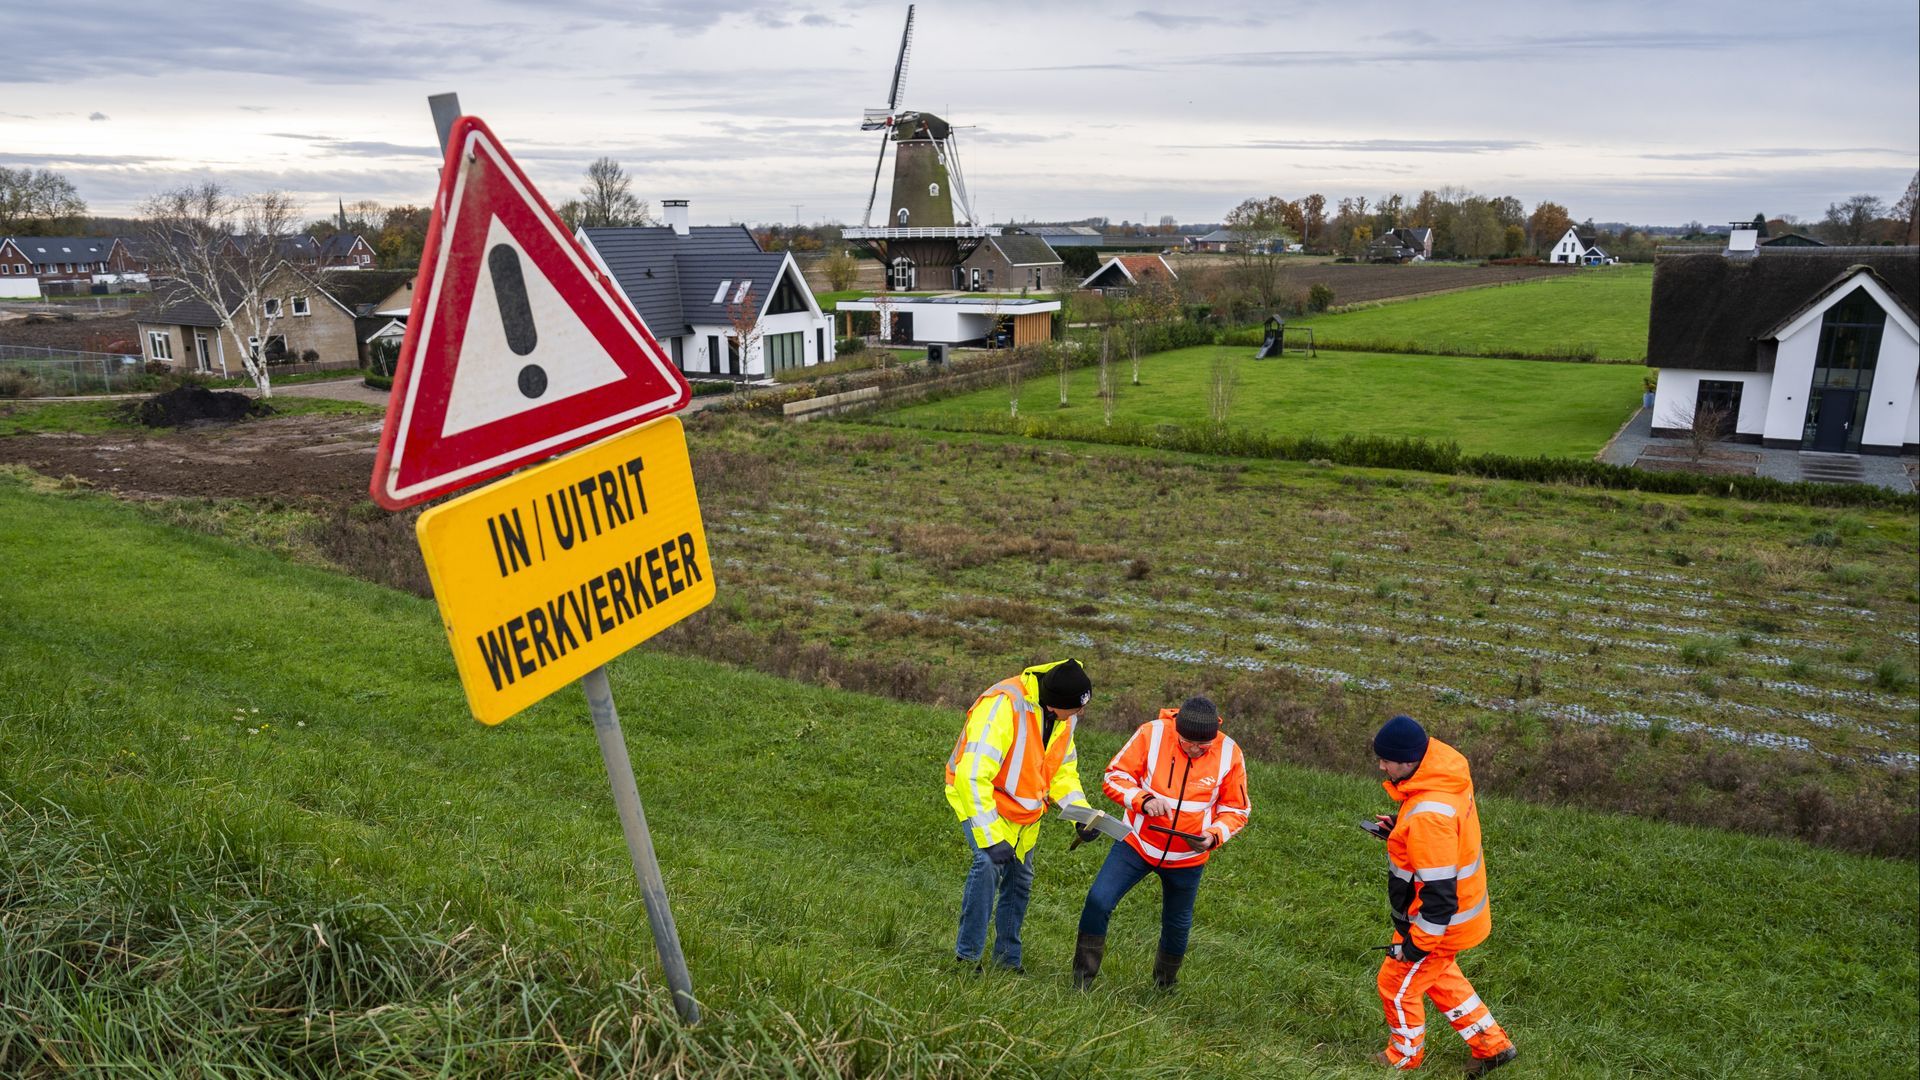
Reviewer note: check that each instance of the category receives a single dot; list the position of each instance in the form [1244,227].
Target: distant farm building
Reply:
[1123,273]
[1010,261]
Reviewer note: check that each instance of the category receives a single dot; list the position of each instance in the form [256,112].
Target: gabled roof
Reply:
[173,305]
[1791,239]
[674,281]
[43,250]
[1134,268]
[338,246]
[1024,250]
[1710,312]
[359,291]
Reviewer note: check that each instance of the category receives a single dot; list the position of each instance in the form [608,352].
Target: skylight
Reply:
[720,294]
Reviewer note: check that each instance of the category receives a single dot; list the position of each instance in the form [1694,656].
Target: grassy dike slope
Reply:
[373,882]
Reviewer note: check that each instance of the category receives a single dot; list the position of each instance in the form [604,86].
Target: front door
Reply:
[1833,420]
[1717,404]
[200,352]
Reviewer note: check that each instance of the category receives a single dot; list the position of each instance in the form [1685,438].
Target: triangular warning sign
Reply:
[517,347]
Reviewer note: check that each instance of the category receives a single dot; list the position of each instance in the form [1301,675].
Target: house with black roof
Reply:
[1578,248]
[1010,261]
[1810,348]
[1402,244]
[697,287]
[317,319]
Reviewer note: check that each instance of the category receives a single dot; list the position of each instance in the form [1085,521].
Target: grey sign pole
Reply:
[613,751]
[633,822]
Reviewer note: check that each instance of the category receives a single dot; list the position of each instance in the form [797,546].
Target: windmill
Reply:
[929,225]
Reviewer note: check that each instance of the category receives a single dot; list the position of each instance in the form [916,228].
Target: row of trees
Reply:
[1464,224]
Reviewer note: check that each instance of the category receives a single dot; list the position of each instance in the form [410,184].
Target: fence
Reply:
[34,371]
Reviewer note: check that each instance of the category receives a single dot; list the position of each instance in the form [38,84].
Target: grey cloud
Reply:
[359,147]
[97,116]
[254,108]
[63,161]
[1771,152]
[1378,146]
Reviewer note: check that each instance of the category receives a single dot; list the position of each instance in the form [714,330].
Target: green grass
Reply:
[1516,407]
[356,877]
[1602,313]
[97,417]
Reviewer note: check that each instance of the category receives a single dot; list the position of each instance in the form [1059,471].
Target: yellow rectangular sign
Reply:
[550,573]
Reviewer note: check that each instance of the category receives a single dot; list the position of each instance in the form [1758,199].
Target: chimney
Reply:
[675,211]
[1743,241]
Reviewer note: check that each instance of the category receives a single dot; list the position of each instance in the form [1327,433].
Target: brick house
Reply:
[329,313]
[341,251]
[64,263]
[1008,262]
[1121,273]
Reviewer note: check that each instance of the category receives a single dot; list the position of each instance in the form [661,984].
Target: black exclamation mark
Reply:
[516,314]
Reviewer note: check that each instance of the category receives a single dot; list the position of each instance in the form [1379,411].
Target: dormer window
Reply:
[903,217]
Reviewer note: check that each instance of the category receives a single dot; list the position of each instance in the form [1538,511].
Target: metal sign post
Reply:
[664,580]
[633,822]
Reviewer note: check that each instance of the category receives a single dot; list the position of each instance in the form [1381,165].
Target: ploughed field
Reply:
[247,828]
[1518,407]
[1592,313]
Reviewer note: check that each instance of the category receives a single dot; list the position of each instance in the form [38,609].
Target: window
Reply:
[740,293]
[300,306]
[5,269]
[271,307]
[160,344]
[275,351]
[784,351]
[720,294]
[1843,370]
[679,346]
[787,298]
[933,190]
[903,217]
[713,353]
[19,268]
[365,260]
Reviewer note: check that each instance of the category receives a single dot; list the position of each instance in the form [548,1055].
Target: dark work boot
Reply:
[1483,1066]
[1166,970]
[1087,953]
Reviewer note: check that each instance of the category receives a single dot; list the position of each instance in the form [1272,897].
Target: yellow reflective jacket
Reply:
[1000,776]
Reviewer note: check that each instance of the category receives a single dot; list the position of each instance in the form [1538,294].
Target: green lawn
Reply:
[1602,312]
[1518,407]
[26,416]
[246,828]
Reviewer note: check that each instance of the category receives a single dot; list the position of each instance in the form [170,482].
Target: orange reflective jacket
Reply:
[1209,793]
[1437,878]
[1001,750]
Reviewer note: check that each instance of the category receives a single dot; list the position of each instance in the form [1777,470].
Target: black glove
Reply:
[1088,834]
[1001,853]
[1407,951]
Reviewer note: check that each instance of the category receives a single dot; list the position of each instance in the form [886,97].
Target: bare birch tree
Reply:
[743,315]
[222,249]
[1222,387]
[883,330]
[1106,378]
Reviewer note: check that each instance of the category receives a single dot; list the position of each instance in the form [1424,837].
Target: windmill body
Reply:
[928,228]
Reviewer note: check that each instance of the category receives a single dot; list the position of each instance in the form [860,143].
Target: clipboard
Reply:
[1086,815]
[1188,836]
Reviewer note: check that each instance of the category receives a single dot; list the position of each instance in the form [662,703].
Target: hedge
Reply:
[1426,456]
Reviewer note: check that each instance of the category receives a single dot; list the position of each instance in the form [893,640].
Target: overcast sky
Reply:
[1648,112]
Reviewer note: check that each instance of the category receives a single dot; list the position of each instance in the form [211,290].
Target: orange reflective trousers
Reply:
[1403,984]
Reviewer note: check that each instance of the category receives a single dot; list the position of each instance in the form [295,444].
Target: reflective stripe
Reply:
[1463,1008]
[1073,755]
[1030,804]
[1017,705]
[1471,868]
[1410,1032]
[1170,857]
[984,749]
[1471,1030]
[983,821]
[1403,875]
[1153,745]
[1407,1048]
[1436,873]
[1402,992]
[1457,919]
[1431,807]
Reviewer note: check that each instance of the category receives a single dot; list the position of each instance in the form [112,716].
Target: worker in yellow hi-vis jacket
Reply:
[1015,756]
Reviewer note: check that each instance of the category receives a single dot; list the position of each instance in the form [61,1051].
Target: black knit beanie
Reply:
[1197,720]
[1400,739]
[1065,686]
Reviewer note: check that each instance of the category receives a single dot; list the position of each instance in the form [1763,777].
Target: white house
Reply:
[1810,348]
[1579,249]
[962,320]
[694,287]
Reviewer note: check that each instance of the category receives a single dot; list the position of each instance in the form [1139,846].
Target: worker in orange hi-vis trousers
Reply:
[1437,885]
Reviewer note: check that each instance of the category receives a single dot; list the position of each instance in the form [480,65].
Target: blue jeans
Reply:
[1120,873]
[988,885]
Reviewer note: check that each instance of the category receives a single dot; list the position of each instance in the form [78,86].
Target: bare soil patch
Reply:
[291,458]
[82,331]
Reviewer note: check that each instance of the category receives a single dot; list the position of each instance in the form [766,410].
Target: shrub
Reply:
[18,384]
[1704,651]
[1320,297]
[378,382]
[849,346]
[1893,674]
[310,356]
[708,388]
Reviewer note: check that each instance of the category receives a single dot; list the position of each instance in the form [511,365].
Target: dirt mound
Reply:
[185,404]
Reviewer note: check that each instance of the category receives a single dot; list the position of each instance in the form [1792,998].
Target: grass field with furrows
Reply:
[1516,407]
[246,829]
[1599,313]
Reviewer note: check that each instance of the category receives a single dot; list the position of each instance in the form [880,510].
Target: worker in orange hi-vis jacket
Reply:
[1184,785]
[1437,886]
